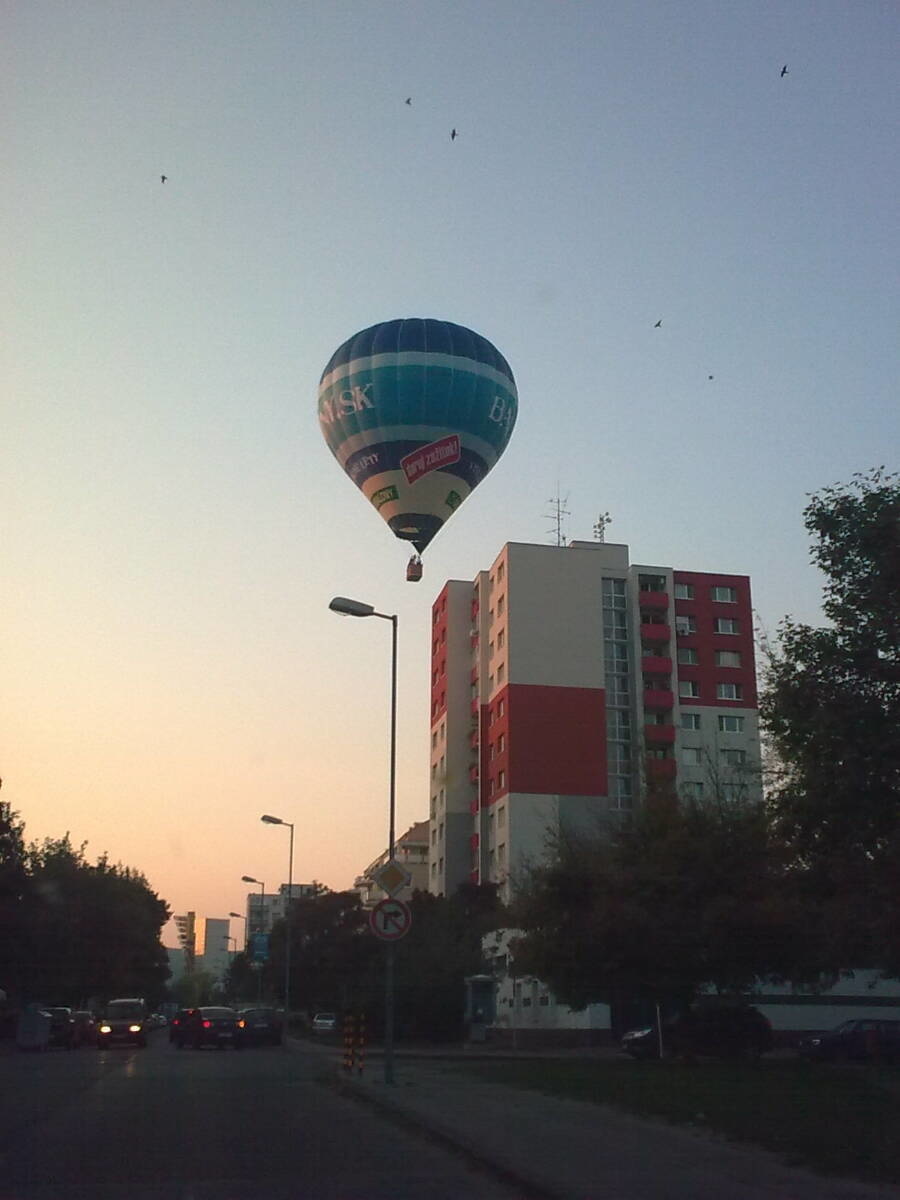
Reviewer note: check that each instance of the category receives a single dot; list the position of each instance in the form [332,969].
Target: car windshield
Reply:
[124,1009]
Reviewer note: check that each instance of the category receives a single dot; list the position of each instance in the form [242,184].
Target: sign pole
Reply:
[389,949]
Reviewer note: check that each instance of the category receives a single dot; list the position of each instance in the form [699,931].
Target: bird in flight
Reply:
[709,377]
[784,71]
[658,324]
[408,100]
[163,178]
[453,135]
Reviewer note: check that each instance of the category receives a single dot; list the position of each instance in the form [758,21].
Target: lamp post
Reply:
[262,921]
[355,608]
[287,921]
[241,917]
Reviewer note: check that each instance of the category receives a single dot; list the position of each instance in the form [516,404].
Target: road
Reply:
[164,1124]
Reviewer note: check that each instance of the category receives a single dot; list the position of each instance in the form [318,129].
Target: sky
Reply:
[173,525]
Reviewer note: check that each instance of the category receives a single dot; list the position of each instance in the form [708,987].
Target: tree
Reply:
[831,703]
[15,896]
[831,708]
[94,929]
[684,895]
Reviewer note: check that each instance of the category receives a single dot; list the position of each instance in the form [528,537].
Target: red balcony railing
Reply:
[656,664]
[655,635]
[661,769]
[659,735]
[657,601]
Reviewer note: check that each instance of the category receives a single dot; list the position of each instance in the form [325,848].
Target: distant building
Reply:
[212,952]
[565,682]
[411,852]
[264,909]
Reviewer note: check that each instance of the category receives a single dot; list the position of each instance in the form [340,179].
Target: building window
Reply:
[727,625]
[692,790]
[501,780]
[734,758]
[501,639]
[501,743]
[728,658]
[686,624]
[501,605]
[501,674]
[688,656]
[690,720]
[692,756]
[501,854]
[501,708]
[729,691]
[731,724]
[490,649]
[684,591]
[501,816]
[652,583]
[725,595]
[688,688]
[501,571]
[732,793]
[434,740]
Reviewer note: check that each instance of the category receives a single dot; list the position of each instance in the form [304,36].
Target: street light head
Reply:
[351,608]
[248,879]
[272,820]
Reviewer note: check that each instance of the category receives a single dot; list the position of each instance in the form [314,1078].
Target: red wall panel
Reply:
[554,741]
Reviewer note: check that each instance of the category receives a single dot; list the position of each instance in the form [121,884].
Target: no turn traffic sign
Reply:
[390,920]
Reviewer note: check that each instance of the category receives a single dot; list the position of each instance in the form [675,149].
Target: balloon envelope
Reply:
[417,411]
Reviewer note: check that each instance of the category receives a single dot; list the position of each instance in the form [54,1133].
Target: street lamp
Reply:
[356,608]
[241,917]
[267,820]
[262,921]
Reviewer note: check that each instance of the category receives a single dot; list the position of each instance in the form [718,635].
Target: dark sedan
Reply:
[259,1026]
[859,1040]
[717,1031]
[208,1027]
[62,1028]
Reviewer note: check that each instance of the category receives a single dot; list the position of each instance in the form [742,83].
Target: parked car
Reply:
[259,1025]
[124,1021]
[324,1022]
[62,1028]
[717,1031]
[208,1026]
[85,1027]
[859,1040]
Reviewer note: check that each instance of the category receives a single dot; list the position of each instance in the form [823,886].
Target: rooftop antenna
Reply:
[558,512]
[600,527]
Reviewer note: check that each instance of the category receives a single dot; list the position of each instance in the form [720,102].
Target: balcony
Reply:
[661,770]
[474,839]
[473,772]
[659,735]
[656,664]
[655,635]
[474,806]
[658,700]
[473,707]
[654,601]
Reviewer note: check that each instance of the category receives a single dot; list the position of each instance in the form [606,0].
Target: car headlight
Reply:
[134,1029]
[106,1029]
[636,1033]
[815,1041]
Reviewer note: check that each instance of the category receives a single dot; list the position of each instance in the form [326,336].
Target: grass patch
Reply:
[837,1119]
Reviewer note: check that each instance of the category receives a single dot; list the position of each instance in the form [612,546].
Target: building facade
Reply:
[265,908]
[411,852]
[565,683]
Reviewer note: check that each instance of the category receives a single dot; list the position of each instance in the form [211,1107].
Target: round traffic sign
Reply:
[390,919]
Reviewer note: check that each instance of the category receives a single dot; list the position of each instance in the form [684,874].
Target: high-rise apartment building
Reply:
[565,683]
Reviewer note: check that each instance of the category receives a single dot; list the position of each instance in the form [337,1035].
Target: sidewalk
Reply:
[557,1149]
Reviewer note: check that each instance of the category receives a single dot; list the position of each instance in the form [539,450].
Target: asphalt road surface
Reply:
[168,1124]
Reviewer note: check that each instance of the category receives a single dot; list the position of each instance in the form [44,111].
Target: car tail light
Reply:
[207,1024]
[241,1024]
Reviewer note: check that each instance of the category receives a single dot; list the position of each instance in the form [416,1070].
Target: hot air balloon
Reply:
[417,411]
